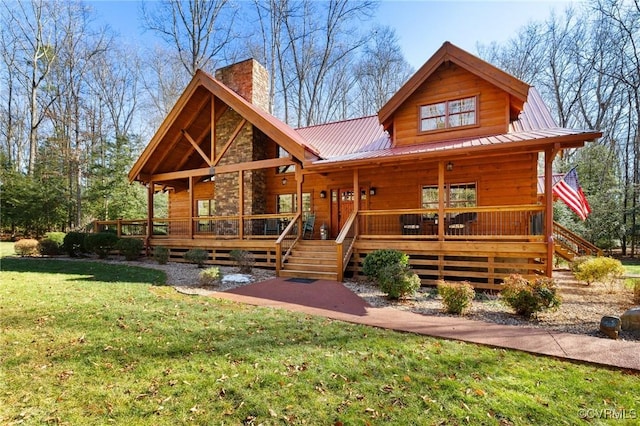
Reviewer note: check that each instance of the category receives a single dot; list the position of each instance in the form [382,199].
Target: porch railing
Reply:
[287,239]
[345,242]
[521,222]
[220,227]
[575,244]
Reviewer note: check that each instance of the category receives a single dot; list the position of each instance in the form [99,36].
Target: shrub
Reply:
[161,255]
[528,298]
[101,243]
[397,281]
[577,261]
[244,259]
[52,244]
[210,276]
[636,291]
[74,243]
[378,260]
[197,256]
[130,248]
[456,297]
[26,247]
[600,269]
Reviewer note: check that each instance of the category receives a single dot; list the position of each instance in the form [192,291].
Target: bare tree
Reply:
[380,72]
[33,27]
[199,30]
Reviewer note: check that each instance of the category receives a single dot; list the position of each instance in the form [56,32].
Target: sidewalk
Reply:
[333,300]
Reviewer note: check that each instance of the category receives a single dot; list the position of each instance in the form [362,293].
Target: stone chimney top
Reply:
[249,79]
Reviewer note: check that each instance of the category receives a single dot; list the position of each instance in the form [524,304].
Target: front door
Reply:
[342,207]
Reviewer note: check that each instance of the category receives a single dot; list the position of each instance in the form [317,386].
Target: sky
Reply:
[421,25]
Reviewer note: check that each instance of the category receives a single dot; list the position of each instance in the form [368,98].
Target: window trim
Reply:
[446,102]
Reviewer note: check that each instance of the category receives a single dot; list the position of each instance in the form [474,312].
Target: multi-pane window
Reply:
[205,208]
[456,195]
[287,203]
[448,114]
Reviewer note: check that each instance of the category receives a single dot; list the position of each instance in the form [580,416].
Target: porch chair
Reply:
[308,224]
[271,227]
[411,224]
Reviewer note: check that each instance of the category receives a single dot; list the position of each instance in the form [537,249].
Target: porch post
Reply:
[190,227]
[441,196]
[241,204]
[549,155]
[150,193]
[299,180]
[356,198]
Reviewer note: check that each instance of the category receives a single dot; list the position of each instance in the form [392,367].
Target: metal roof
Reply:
[461,144]
[341,138]
[535,115]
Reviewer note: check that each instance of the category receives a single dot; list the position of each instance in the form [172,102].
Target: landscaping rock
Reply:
[631,319]
[610,325]
[237,278]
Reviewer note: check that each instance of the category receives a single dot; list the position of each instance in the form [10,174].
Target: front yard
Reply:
[95,343]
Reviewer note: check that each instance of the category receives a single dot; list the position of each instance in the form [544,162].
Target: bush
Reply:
[456,297]
[378,260]
[397,281]
[101,243]
[26,247]
[74,243]
[528,298]
[244,259]
[197,256]
[130,248]
[636,291]
[577,261]
[210,276]
[161,255]
[600,269]
[52,244]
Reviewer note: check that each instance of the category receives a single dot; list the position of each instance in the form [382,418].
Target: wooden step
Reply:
[333,276]
[308,266]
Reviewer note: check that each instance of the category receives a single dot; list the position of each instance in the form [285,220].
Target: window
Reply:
[205,208]
[448,114]
[287,203]
[456,195]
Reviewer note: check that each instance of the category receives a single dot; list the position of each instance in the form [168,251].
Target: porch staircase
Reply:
[569,245]
[312,259]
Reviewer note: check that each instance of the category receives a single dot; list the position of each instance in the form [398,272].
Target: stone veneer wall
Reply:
[251,81]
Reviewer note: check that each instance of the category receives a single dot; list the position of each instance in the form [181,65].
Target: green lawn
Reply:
[91,343]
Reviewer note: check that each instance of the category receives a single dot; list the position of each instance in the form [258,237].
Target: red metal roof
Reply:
[337,139]
[535,115]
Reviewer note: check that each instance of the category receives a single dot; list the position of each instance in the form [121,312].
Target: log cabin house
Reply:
[447,172]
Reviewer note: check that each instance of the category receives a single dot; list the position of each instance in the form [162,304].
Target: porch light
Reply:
[284,181]
[323,194]
[372,190]
[449,166]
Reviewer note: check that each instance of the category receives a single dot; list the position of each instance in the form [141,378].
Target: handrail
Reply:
[476,209]
[343,255]
[297,219]
[580,242]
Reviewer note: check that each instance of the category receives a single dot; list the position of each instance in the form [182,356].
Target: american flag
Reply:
[568,190]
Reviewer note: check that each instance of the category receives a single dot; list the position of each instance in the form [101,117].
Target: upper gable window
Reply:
[448,114]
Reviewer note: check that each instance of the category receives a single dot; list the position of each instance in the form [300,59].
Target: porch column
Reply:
[441,197]
[241,204]
[356,198]
[549,155]
[150,193]
[299,182]
[191,198]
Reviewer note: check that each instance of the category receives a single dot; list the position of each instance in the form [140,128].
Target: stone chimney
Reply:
[249,79]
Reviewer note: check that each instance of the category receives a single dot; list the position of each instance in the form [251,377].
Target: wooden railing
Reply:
[219,227]
[287,239]
[524,222]
[345,242]
[576,245]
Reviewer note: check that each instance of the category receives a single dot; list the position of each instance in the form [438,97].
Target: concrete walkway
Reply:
[333,300]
